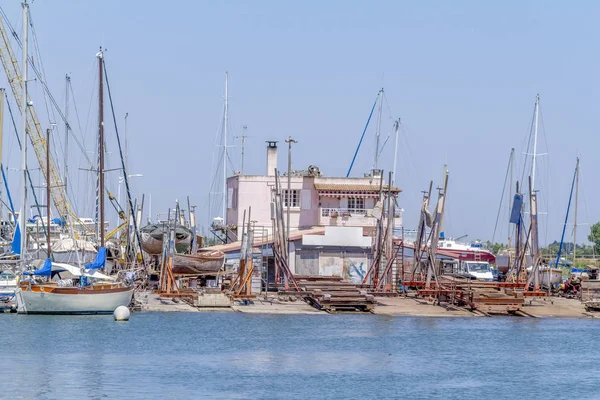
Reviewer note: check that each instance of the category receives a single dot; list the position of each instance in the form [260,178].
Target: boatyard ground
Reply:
[550,307]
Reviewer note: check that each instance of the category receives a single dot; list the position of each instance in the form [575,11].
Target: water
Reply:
[241,356]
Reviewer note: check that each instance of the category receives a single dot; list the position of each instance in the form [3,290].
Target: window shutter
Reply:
[230,198]
[305,201]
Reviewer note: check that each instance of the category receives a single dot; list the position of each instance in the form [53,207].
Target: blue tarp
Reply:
[99,261]
[62,221]
[46,269]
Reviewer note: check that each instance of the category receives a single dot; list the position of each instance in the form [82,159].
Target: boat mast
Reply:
[101,146]
[378,131]
[1,139]
[575,211]
[535,138]
[510,195]
[225,123]
[67,83]
[25,101]
[48,192]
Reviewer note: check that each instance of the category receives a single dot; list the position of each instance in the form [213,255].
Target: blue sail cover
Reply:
[46,269]
[16,244]
[62,221]
[99,261]
[515,214]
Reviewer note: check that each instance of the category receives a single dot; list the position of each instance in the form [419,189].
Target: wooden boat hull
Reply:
[55,300]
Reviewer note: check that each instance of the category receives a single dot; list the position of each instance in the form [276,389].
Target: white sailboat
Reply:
[77,291]
[86,291]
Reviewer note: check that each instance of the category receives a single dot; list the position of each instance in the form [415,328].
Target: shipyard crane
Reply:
[34,129]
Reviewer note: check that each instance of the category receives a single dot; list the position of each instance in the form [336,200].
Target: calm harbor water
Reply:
[241,356]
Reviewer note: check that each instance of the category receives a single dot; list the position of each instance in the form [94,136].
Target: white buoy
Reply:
[121,313]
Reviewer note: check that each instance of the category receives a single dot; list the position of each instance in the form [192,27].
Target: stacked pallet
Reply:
[333,294]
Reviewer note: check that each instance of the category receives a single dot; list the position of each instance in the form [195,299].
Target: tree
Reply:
[594,235]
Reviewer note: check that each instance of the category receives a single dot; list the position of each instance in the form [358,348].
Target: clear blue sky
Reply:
[462,75]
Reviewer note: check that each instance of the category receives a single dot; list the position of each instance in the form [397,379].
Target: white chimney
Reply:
[271,158]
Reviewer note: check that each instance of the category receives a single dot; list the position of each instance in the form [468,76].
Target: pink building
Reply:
[331,219]
[315,200]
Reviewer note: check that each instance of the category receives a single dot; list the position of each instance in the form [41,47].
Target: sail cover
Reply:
[16,244]
[99,261]
[515,214]
[46,269]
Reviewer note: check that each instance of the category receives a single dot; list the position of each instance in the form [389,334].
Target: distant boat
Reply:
[8,284]
[466,252]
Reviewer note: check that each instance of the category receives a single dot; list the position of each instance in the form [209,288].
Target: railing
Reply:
[344,212]
[352,212]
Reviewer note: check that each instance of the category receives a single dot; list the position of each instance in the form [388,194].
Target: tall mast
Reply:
[23,214]
[396,129]
[67,83]
[511,162]
[101,146]
[575,213]
[535,138]
[225,123]
[2,96]
[48,192]
[378,131]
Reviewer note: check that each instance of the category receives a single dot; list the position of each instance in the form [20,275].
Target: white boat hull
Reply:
[32,302]
[553,276]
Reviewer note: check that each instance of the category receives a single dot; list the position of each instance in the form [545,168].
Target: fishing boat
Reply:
[71,290]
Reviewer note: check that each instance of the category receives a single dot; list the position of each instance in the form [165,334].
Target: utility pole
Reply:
[289,141]
[396,129]
[243,137]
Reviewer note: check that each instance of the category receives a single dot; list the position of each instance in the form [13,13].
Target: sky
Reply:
[461,75]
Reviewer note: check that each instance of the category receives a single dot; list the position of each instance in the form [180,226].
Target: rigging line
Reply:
[75,106]
[528,143]
[388,105]
[363,135]
[43,83]
[502,196]
[50,112]
[37,205]
[125,178]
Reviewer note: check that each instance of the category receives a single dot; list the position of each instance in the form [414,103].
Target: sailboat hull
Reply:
[51,300]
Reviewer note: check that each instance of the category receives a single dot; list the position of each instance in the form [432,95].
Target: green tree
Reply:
[594,236]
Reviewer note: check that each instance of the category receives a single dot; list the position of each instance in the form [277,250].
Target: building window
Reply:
[294,197]
[356,203]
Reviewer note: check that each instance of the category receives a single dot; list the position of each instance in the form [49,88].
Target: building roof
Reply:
[345,187]
[236,246]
